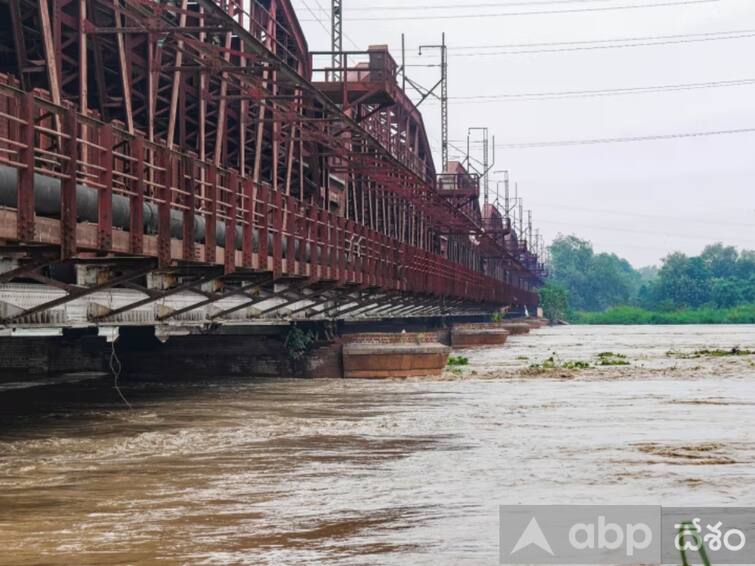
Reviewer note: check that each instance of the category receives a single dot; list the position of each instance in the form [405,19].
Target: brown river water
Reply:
[374,472]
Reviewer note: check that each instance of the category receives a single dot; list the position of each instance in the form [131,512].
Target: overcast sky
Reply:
[640,200]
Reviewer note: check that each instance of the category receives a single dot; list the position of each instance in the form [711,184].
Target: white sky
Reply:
[640,200]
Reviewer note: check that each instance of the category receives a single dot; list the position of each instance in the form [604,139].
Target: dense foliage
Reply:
[595,281]
[744,314]
[720,280]
[554,298]
[720,277]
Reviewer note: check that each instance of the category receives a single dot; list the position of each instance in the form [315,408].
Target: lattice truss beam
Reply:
[227,83]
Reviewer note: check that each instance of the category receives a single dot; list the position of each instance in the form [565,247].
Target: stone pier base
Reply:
[476,335]
[374,356]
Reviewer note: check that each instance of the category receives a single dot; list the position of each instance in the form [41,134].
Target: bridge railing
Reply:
[372,66]
[89,186]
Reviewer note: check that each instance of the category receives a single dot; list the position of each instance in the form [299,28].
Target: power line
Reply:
[589,45]
[712,34]
[434,6]
[545,221]
[346,35]
[664,217]
[562,143]
[601,92]
[322,24]
[316,19]
[529,13]
[594,47]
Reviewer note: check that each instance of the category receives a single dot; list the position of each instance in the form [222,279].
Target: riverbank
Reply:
[744,314]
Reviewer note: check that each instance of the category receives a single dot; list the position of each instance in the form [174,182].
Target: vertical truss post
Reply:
[230,228]
[136,231]
[163,209]
[25,224]
[247,245]
[187,184]
[320,244]
[211,222]
[105,200]
[262,255]
[277,202]
[68,185]
[290,222]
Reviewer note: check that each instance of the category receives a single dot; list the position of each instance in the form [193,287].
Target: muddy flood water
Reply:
[365,472]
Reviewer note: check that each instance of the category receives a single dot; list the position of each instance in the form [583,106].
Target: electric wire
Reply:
[702,238]
[316,18]
[435,6]
[632,139]
[528,13]
[664,217]
[597,47]
[569,94]
[595,44]
[320,6]
[710,34]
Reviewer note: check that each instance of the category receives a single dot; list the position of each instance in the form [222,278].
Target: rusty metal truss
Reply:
[203,133]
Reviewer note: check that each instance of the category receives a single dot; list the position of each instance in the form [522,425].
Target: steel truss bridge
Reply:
[190,162]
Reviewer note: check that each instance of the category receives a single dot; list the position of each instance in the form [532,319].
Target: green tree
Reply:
[726,293]
[554,299]
[684,281]
[719,278]
[594,281]
[746,265]
[720,260]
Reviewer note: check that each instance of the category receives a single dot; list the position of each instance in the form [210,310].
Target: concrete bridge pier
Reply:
[412,347]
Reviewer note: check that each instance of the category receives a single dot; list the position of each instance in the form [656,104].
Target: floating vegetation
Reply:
[575,365]
[733,352]
[554,363]
[522,358]
[612,355]
[458,361]
[612,359]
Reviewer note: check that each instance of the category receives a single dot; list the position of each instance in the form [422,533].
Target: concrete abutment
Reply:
[390,349]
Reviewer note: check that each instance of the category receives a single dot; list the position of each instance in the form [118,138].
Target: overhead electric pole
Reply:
[444,103]
[530,243]
[486,165]
[443,83]
[336,38]
[521,219]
